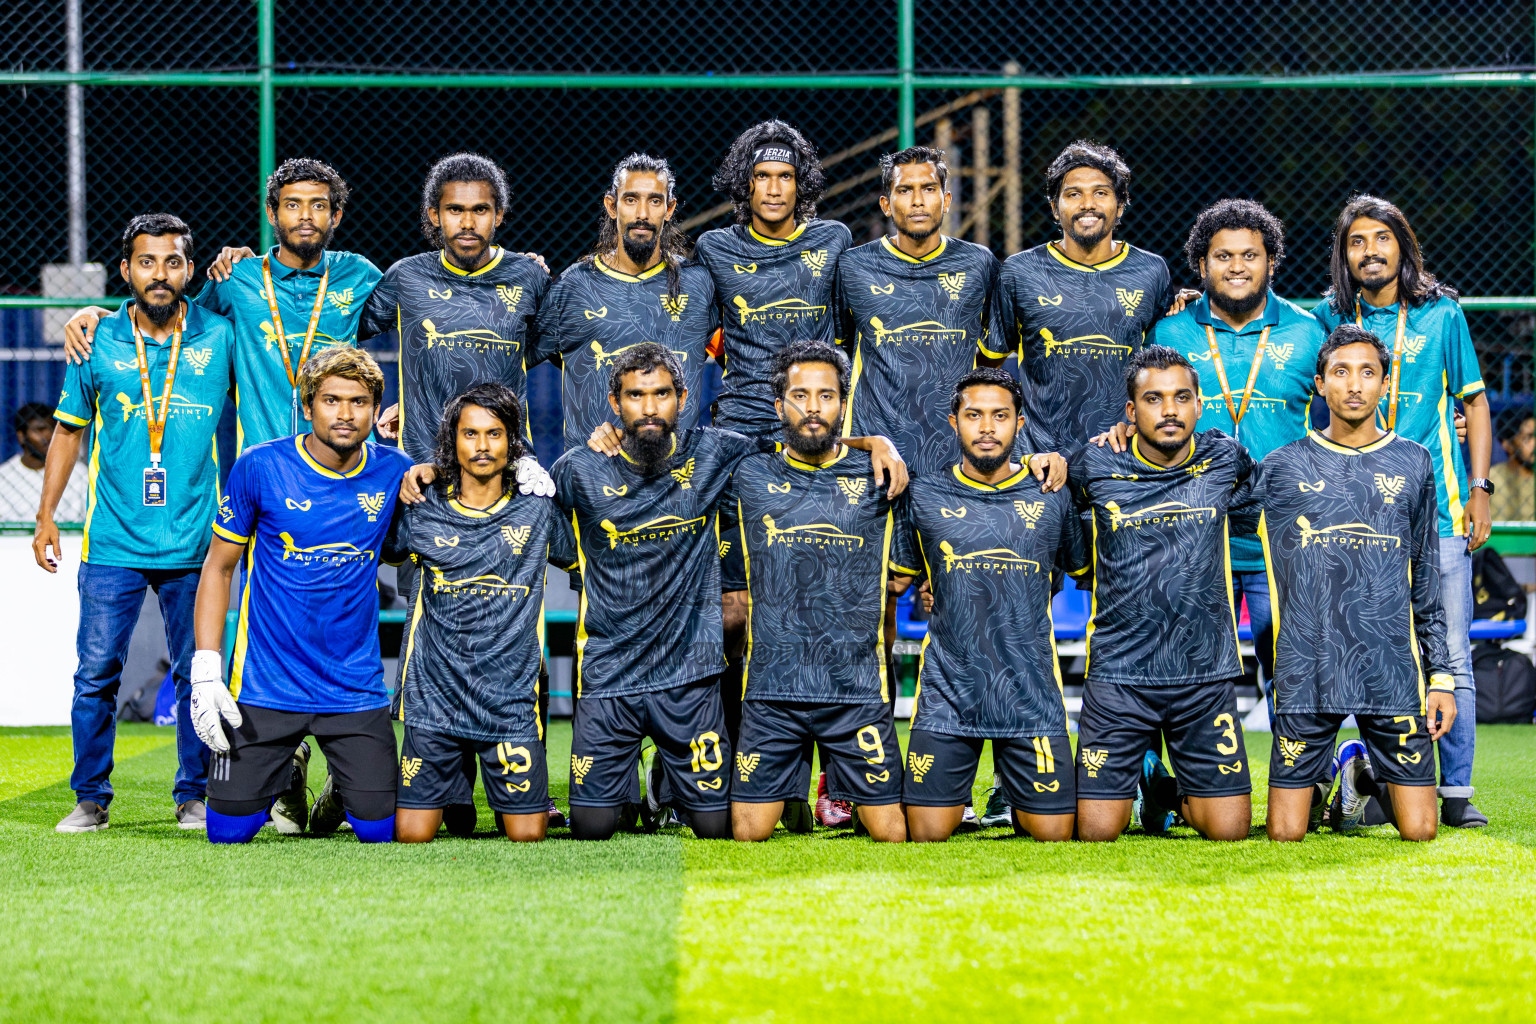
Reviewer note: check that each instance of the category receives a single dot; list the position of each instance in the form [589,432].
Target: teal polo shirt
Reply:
[106,394]
[263,397]
[1439,364]
[1279,409]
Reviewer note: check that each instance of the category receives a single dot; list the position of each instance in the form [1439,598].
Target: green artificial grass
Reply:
[145,922]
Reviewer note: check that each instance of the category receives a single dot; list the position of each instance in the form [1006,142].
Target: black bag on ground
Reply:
[1496,594]
[1506,684]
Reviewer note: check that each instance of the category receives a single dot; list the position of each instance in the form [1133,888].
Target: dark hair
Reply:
[808,352]
[675,247]
[987,377]
[346,362]
[643,358]
[1506,427]
[299,169]
[1350,334]
[1415,285]
[913,155]
[1230,215]
[30,413]
[460,167]
[1155,357]
[157,225]
[734,176]
[1087,153]
[498,400]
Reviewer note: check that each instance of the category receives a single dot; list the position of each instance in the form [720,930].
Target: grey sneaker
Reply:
[290,812]
[88,816]
[327,814]
[192,815]
[998,813]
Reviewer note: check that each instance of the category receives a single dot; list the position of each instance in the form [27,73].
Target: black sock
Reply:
[1378,806]
[1165,790]
[710,824]
[595,822]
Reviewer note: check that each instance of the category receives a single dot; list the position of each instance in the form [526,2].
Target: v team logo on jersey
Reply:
[953,513]
[996,560]
[409,766]
[746,764]
[1291,750]
[599,313]
[1413,346]
[1083,345]
[1030,512]
[924,332]
[1279,353]
[816,260]
[579,768]
[853,487]
[952,284]
[477,339]
[341,300]
[684,475]
[296,506]
[1389,486]
[373,504]
[1355,535]
[658,530]
[1129,299]
[178,406]
[919,765]
[342,552]
[725,548]
[674,307]
[1199,467]
[199,357]
[823,535]
[791,310]
[517,536]
[874,289]
[1094,759]
[446,542]
[1156,515]
[510,295]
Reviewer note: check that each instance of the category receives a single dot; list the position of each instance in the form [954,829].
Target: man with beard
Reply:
[152,392]
[1514,496]
[300,298]
[309,514]
[1076,309]
[21,475]
[1379,283]
[1162,635]
[637,284]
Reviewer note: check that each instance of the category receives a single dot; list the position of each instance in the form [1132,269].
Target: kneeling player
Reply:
[469,685]
[1162,637]
[987,539]
[1351,538]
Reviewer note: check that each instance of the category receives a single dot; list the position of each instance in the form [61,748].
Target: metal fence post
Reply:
[906,112]
[1013,178]
[75,103]
[266,158]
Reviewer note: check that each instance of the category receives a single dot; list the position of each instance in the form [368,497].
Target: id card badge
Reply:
[154,487]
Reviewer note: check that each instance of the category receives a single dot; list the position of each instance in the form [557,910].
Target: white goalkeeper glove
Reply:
[531,478]
[211,701]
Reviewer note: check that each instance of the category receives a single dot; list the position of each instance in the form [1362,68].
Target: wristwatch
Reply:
[1482,482]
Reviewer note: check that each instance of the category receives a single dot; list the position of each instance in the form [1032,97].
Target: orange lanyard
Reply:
[1237,411]
[1397,356]
[277,319]
[156,423]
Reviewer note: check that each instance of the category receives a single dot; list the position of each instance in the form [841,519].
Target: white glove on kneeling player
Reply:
[531,478]
[211,701]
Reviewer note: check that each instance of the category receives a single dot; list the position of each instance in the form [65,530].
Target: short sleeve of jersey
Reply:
[379,313]
[993,346]
[1002,336]
[1464,378]
[241,506]
[397,545]
[77,400]
[1247,504]
[562,541]
[905,557]
[215,298]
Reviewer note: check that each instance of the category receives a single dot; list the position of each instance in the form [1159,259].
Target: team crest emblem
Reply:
[1048,302]
[1316,488]
[746,764]
[750,268]
[595,314]
[1389,486]
[226,512]
[853,487]
[409,766]
[516,536]
[1030,512]
[952,283]
[341,300]
[510,296]
[579,768]
[446,542]
[875,289]
[199,358]
[919,764]
[725,548]
[884,776]
[815,259]
[1054,786]
[1129,299]
[779,488]
[445,294]
[1235,768]
[615,492]
[1291,750]
[1413,346]
[297,506]
[1280,353]
[1093,760]
[675,306]
[1199,467]
[953,513]
[373,504]
[684,476]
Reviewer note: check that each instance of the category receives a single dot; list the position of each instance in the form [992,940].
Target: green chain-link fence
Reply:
[184,105]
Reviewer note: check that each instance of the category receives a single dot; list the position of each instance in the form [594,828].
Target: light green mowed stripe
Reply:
[31,759]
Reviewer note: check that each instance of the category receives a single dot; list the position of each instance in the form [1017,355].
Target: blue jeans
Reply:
[1255,586]
[1459,744]
[110,599]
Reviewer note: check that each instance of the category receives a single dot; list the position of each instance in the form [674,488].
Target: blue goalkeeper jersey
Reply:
[308,634]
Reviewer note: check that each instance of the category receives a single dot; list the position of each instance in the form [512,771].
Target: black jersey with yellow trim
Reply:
[816,539]
[470,666]
[1352,541]
[1074,326]
[916,325]
[988,667]
[1162,612]
[648,546]
[456,328]
[594,313]
[772,292]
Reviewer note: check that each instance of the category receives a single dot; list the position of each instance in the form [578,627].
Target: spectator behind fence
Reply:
[21,475]
[1514,483]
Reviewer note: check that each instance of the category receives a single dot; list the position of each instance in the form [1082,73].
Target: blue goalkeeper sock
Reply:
[381,830]
[234,828]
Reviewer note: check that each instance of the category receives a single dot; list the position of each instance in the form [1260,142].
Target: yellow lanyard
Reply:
[1237,411]
[277,319]
[155,422]
[1397,356]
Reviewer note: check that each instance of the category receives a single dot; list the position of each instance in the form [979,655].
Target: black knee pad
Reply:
[595,822]
[239,808]
[369,806]
[710,824]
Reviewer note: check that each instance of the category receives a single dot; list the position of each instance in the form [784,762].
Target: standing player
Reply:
[1076,309]
[1350,526]
[309,514]
[469,685]
[816,534]
[152,393]
[1162,636]
[466,312]
[917,307]
[1379,283]
[637,284]
[987,540]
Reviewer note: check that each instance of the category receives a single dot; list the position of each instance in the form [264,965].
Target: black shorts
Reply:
[687,724]
[858,742]
[733,562]
[1399,746]
[437,770]
[359,747]
[1035,773]
[1119,724]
